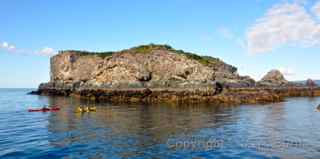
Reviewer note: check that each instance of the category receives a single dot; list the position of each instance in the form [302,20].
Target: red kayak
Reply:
[53,109]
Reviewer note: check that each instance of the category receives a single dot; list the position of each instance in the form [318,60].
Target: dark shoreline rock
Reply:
[34,93]
[230,96]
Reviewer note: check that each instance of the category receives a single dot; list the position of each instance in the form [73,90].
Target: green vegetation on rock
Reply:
[205,60]
[89,53]
[145,49]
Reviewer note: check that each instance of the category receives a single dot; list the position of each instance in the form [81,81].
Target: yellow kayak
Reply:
[92,109]
[85,109]
[79,110]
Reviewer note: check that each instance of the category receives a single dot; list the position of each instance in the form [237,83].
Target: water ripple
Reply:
[282,130]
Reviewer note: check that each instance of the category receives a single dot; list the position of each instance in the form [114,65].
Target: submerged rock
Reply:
[318,108]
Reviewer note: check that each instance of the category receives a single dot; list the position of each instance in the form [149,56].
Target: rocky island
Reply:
[159,73]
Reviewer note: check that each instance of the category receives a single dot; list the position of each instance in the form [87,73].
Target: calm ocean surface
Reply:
[284,130]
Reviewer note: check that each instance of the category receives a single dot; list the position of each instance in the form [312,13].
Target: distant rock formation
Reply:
[272,79]
[310,83]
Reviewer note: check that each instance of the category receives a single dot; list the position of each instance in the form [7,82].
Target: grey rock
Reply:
[311,83]
[152,66]
[273,78]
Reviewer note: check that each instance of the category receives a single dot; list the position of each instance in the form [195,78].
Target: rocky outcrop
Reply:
[273,78]
[159,73]
[149,66]
[310,83]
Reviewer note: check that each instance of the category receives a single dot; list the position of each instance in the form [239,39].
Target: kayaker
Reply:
[86,109]
[92,108]
[45,108]
[79,110]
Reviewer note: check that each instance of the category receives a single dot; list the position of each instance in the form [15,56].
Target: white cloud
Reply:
[10,48]
[47,51]
[316,9]
[302,2]
[4,45]
[284,24]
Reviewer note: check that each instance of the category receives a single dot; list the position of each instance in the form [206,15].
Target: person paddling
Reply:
[45,108]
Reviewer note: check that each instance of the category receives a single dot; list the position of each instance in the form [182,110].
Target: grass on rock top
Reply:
[89,53]
[145,49]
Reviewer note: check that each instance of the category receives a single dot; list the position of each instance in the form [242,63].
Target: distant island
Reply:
[160,73]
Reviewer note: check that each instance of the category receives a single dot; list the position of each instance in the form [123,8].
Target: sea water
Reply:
[290,129]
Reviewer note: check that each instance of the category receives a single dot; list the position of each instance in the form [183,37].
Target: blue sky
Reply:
[253,35]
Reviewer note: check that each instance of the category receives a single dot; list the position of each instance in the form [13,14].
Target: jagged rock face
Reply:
[70,67]
[158,68]
[273,78]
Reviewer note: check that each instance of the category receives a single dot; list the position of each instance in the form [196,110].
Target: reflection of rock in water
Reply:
[274,116]
[146,124]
